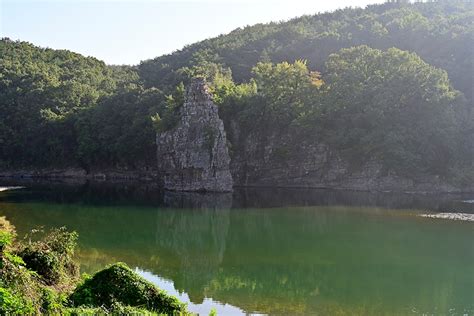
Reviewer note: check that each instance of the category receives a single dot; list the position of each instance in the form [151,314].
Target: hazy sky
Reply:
[126,32]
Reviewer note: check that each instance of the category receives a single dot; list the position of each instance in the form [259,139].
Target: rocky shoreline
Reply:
[451,216]
[151,176]
[10,188]
[79,173]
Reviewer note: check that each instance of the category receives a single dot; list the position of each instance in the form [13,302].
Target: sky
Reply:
[126,31]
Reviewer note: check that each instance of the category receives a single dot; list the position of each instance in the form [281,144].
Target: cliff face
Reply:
[283,161]
[193,156]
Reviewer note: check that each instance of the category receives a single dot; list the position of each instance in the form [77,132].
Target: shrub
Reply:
[116,309]
[51,256]
[52,302]
[120,309]
[18,286]
[12,304]
[7,234]
[6,227]
[119,284]
[85,311]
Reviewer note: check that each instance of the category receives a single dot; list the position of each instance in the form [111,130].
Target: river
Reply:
[269,251]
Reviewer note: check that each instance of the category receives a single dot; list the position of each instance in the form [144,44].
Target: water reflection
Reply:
[193,200]
[197,239]
[149,194]
[343,252]
[203,308]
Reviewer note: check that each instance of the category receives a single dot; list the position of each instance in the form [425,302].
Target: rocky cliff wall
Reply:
[282,161]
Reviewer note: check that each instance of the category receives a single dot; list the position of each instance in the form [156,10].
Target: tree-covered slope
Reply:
[39,90]
[59,108]
[439,32]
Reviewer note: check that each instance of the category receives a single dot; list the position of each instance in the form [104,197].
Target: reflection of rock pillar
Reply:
[197,235]
[197,200]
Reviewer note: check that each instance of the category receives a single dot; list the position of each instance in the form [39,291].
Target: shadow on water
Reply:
[149,194]
[274,251]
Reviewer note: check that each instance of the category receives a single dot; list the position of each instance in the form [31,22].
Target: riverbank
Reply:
[79,173]
[151,176]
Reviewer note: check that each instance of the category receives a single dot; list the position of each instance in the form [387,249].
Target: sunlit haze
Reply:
[126,32]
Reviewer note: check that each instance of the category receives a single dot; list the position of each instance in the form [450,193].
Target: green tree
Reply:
[391,106]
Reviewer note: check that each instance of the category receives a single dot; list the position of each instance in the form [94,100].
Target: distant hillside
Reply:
[50,103]
[439,32]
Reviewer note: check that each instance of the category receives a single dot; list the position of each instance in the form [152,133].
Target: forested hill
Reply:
[391,82]
[438,32]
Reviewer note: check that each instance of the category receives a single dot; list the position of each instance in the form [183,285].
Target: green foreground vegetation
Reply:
[392,83]
[39,276]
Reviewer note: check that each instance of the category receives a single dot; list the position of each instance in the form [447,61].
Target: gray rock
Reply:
[452,216]
[193,156]
[10,188]
[285,161]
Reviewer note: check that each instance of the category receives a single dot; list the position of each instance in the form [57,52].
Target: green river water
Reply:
[269,251]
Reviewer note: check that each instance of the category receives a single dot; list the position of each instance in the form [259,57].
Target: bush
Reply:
[51,256]
[12,304]
[6,227]
[119,284]
[85,311]
[18,286]
[120,309]
[116,309]
[52,302]
[7,234]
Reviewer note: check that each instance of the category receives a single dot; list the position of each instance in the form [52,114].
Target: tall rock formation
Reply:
[193,156]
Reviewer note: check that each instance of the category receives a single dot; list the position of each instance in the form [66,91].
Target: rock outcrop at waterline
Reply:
[289,159]
[193,156]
